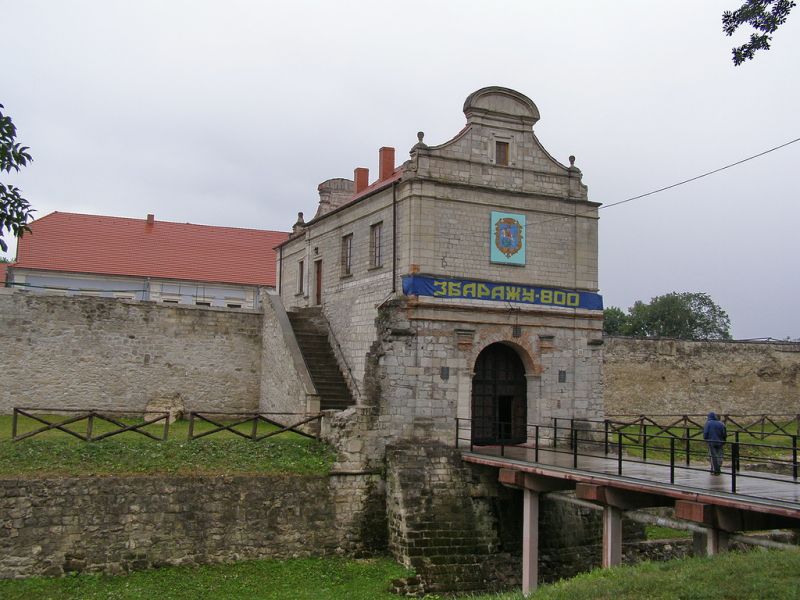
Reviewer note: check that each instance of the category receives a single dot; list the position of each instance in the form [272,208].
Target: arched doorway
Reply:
[499,398]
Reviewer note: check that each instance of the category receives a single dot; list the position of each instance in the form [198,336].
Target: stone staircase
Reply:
[311,331]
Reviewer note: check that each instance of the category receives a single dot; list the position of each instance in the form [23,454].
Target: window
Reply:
[300,277]
[202,303]
[375,235]
[501,153]
[169,301]
[347,254]
[233,305]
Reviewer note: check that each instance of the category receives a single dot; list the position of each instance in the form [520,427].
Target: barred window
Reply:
[347,254]
[375,238]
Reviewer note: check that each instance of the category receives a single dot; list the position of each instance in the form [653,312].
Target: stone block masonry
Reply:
[663,376]
[115,525]
[85,352]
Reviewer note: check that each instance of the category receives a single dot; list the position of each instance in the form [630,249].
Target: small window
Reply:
[501,153]
[233,305]
[202,303]
[562,377]
[347,254]
[300,277]
[375,235]
[169,301]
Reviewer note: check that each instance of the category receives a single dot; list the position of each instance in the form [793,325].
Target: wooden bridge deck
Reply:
[757,491]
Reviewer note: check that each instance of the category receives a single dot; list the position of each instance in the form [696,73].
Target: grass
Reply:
[58,453]
[298,579]
[742,576]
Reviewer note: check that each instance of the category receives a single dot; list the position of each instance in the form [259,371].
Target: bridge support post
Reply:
[612,536]
[716,541]
[530,542]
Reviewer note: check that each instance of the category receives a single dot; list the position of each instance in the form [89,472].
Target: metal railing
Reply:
[586,438]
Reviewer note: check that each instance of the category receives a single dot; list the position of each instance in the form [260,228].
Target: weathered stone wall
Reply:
[79,352]
[109,524]
[686,377]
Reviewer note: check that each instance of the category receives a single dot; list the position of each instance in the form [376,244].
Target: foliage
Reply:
[762,18]
[682,315]
[14,209]
[61,454]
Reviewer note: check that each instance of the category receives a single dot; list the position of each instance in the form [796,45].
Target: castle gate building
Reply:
[461,284]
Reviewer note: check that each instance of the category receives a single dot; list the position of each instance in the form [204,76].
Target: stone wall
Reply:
[114,525]
[79,352]
[687,377]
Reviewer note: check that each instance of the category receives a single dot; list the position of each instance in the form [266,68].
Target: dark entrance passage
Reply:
[499,399]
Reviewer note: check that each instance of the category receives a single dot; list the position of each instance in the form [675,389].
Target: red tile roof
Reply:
[119,246]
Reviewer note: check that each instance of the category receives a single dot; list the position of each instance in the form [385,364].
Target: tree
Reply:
[758,14]
[685,315]
[14,209]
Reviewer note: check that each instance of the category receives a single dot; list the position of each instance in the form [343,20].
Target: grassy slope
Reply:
[755,575]
[57,453]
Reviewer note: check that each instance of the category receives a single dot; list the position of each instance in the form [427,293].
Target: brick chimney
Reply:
[151,219]
[361,176]
[385,162]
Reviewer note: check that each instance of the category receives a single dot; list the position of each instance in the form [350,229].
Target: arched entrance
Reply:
[499,399]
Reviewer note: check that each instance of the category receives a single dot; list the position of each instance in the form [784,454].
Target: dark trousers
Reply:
[716,453]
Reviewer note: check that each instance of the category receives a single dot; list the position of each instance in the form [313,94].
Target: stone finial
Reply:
[419,144]
[299,224]
[572,167]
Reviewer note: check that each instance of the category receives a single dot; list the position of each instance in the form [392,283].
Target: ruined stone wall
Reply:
[114,525]
[687,377]
[71,352]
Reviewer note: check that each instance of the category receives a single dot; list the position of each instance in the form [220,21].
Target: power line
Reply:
[674,185]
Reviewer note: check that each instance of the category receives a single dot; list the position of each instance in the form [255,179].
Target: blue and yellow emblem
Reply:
[508,238]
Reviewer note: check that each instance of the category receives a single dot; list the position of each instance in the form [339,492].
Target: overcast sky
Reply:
[230,113]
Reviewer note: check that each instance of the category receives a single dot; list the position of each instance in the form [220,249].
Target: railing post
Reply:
[672,460]
[89,427]
[574,437]
[14,424]
[644,447]
[688,447]
[619,453]
[571,430]
[166,429]
[794,456]
[555,432]
[736,464]
[605,439]
[254,431]
[191,425]
[457,430]
[536,451]
[735,457]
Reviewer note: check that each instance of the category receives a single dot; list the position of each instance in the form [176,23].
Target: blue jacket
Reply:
[714,430]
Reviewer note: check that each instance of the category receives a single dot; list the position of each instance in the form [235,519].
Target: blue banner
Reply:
[444,287]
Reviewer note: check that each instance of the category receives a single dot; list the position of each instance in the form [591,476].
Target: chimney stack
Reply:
[386,162]
[361,176]
[151,219]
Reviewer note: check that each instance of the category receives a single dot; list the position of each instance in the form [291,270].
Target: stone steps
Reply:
[311,332]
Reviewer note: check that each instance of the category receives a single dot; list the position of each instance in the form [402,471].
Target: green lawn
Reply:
[754,575]
[58,453]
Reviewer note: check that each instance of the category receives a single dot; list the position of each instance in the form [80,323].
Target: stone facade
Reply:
[413,357]
[122,355]
[113,525]
[687,377]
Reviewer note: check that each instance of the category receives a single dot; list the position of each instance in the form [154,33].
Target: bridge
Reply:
[626,465]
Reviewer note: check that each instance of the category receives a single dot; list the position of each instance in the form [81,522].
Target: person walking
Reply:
[715,434]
